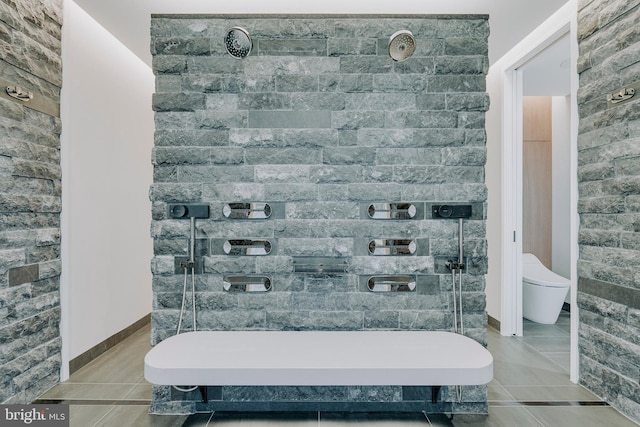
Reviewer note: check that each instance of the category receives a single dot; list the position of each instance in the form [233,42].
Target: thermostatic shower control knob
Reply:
[178,211]
[445,211]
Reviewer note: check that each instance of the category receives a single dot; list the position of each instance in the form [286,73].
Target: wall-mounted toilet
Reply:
[543,291]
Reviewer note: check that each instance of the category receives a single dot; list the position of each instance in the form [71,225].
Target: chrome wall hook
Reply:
[623,95]
[19,93]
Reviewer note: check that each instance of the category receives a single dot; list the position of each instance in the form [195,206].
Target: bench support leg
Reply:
[434,393]
[203,392]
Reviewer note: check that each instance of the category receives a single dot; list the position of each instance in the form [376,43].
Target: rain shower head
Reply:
[402,44]
[238,42]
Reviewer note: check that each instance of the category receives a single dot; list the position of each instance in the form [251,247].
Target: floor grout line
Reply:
[534,417]
[564,371]
[524,403]
[210,418]
[104,416]
[133,387]
[540,386]
[96,402]
[95,383]
[506,391]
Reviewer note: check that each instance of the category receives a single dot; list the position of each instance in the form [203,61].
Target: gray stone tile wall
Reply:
[608,157]
[30,199]
[319,120]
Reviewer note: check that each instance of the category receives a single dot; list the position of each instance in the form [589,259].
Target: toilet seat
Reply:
[535,273]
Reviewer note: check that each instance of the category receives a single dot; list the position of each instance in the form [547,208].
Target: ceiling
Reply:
[510,20]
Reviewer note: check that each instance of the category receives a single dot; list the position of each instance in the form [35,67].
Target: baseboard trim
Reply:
[494,323]
[95,351]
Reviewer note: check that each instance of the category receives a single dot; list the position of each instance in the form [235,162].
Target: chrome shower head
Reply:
[238,42]
[402,44]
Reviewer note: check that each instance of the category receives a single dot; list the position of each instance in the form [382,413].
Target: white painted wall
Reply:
[561,177]
[493,178]
[107,137]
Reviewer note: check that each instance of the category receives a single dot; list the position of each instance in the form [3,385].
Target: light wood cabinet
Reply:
[537,178]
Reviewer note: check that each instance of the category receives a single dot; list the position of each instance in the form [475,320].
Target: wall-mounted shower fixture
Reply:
[246,284]
[319,265]
[247,247]
[391,284]
[458,212]
[192,212]
[392,211]
[238,42]
[402,45]
[178,211]
[392,247]
[451,211]
[244,210]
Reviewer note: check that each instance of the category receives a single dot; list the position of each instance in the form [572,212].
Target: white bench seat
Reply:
[318,358]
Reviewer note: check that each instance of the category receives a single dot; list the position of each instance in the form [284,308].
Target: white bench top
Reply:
[318,358]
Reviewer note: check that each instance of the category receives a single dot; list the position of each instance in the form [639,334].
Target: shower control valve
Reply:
[187,264]
[188,211]
[457,266]
[451,211]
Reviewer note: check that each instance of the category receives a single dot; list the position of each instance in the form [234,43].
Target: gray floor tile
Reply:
[528,369]
[264,419]
[198,420]
[564,320]
[498,393]
[552,341]
[590,416]
[88,391]
[139,392]
[531,371]
[538,330]
[548,344]
[571,393]
[86,415]
[378,419]
[123,363]
[440,420]
[561,359]
[138,416]
[498,417]
[515,363]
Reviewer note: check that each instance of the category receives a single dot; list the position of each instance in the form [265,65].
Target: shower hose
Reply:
[189,265]
[457,308]
[457,300]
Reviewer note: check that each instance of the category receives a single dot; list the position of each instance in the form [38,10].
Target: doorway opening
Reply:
[531,73]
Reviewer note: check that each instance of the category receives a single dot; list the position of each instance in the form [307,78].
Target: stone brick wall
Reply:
[30,201]
[609,185]
[319,122]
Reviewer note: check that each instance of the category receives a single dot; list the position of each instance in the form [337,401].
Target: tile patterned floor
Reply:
[531,387]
